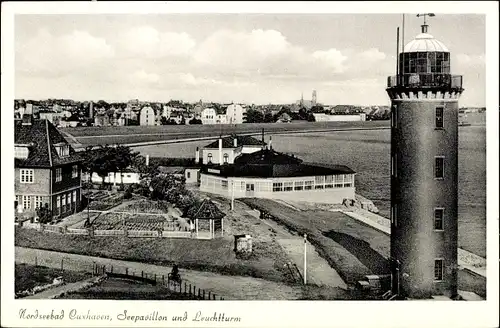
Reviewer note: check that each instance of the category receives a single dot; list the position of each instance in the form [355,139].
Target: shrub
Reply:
[127,194]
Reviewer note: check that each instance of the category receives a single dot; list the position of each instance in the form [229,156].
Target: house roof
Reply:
[42,136]
[221,111]
[228,142]
[278,170]
[266,156]
[205,210]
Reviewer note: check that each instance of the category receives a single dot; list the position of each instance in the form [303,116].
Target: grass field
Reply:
[28,276]
[135,134]
[215,255]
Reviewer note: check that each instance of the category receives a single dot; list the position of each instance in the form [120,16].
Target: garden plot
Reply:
[141,215]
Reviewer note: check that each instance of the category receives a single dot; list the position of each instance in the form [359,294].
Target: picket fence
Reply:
[99,233]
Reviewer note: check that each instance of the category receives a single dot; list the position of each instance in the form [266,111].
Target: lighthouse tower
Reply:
[424,170]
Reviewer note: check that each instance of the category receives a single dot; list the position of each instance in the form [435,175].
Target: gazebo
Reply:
[206,216]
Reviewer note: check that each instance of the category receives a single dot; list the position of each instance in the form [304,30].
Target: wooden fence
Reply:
[188,290]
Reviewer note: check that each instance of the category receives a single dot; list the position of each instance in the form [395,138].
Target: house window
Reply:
[188,174]
[329,179]
[58,174]
[277,186]
[348,180]
[439,117]
[74,172]
[299,185]
[21,152]
[26,176]
[62,150]
[438,218]
[319,181]
[68,200]
[74,196]
[288,186]
[224,184]
[26,202]
[38,202]
[226,158]
[438,269]
[439,167]
[209,158]
[308,185]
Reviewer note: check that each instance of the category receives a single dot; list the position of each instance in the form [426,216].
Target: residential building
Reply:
[147,116]
[322,117]
[208,116]
[234,114]
[225,150]
[47,169]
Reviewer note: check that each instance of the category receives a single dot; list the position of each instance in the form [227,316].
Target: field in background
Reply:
[134,134]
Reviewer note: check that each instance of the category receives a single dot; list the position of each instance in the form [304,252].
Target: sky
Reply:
[246,58]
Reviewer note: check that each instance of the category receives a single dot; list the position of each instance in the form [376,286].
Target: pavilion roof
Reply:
[205,210]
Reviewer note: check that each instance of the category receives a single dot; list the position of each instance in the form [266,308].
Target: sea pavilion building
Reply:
[266,173]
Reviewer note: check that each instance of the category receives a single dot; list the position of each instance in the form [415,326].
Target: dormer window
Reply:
[21,152]
[62,149]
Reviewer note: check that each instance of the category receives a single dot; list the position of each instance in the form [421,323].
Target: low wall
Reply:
[466,259]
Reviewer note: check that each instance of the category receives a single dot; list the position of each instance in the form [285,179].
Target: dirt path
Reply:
[56,291]
[318,270]
[229,287]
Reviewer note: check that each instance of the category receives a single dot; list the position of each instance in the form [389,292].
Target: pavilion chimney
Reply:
[220,150]
[147,160]
[235,142]
[424,28]
[197,156]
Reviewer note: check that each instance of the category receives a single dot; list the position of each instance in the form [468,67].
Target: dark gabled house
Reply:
[47,169]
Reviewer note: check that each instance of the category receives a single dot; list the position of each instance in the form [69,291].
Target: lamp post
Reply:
[305,258]
[232,195]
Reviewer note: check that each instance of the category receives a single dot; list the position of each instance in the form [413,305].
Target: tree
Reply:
[105,162]
[163,120]
[254,116]
[124,158]
[195,121]
[44,214]
[168,187]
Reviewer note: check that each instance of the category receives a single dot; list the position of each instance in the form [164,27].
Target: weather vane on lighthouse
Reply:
[424,27]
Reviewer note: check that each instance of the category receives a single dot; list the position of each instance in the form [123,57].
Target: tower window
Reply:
[438,219]
[438,269]
[394,115]
[226,158]
[209,158]
[439,117]
[439,167]
[394,215]
[394,165]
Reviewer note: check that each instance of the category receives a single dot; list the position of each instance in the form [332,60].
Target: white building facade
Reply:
[234,114]
[147,116]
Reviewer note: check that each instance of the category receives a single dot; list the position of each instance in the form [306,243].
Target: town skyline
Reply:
[273,59]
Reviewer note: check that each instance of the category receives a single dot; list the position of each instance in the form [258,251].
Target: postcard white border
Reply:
[262,313]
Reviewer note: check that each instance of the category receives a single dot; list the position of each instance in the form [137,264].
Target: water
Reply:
[368,153]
